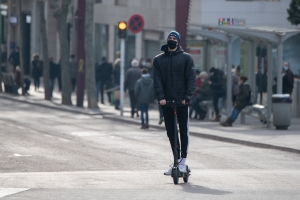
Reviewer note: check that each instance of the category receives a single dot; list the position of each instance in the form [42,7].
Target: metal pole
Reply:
[269,85]
[254,58]
[279,68]
[122,76]
[229,77]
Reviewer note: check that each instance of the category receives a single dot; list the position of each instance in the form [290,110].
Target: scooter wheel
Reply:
[175,176]
[186,179]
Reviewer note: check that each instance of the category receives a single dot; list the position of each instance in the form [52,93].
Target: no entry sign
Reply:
[136,23]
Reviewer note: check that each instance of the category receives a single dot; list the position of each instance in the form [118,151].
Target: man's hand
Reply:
[162,102]
[184,102]
[209,82]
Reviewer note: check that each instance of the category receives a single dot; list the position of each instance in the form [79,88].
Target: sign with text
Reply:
[231,22]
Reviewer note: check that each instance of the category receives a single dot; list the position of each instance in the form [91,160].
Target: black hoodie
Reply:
[174,75]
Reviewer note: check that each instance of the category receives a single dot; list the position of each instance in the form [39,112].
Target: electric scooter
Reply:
[176,174]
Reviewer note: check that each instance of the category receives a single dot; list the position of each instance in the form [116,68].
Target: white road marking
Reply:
[86,134]
[20,127]
[9,191]
[31,131]
[48,135]
[64,140]
[19,155]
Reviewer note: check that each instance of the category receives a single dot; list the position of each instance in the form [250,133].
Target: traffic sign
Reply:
[136,23]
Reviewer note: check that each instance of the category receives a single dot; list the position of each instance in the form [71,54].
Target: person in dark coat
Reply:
[287,79]
[117,75]
[215,82]
[105,72]
[37,70]
[53,74]
[132,75]
[14,58]
[242,100]
[175,80]
[144,94]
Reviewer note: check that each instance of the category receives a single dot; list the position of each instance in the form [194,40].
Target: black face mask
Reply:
[172,44]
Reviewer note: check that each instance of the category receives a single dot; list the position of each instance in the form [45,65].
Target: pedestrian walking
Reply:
[73,71]
[14,58]
[37,70]
[105,71]
[144,94]
[53,74]
[132,75]
[287,79]
[175,79]
[242,100]
[143,63]
[215,82]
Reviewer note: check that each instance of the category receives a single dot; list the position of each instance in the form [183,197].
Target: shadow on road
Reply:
[190,188]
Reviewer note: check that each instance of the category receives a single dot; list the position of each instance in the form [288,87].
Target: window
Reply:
[121,2]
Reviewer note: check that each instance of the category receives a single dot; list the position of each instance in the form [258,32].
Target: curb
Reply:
[110,116]
[214,137]
[56,107]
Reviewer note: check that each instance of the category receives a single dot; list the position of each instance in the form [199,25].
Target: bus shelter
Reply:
[267,35]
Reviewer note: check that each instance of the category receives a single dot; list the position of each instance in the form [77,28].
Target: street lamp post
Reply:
[122,27]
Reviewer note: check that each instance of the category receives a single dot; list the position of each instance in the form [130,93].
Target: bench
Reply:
[9,84]
[256,110]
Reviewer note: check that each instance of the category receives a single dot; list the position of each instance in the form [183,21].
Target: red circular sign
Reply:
[136,23]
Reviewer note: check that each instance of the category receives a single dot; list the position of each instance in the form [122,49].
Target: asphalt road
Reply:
[47,154]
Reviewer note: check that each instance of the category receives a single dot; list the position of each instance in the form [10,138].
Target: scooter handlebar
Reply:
[177,103]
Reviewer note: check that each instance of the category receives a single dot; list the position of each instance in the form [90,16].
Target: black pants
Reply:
[215,104]
[133,102]
[183,121]
[107,84]
[36,83]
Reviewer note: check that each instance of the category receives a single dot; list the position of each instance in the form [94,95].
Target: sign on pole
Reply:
[136,23]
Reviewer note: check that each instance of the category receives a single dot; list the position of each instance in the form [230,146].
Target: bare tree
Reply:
[90,81]
[61,8]
[46,71]
[21,47]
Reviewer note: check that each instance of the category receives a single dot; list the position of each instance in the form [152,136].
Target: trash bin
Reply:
[281,111]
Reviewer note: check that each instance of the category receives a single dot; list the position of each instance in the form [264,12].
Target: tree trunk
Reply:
[90,81]
[0,63]
[46,71]
[64,55]
[21,48]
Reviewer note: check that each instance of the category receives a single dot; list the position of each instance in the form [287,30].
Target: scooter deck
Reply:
[184,174]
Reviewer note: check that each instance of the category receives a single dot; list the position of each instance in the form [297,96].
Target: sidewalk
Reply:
[253,133]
